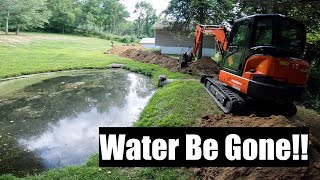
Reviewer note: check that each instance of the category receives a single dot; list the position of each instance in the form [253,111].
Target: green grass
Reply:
[56,54]
[50,52]
[91,170]
[181,103]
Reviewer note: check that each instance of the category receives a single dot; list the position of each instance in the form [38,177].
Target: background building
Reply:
[171,42]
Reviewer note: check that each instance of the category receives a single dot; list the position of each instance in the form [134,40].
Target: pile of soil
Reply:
[202,66]
[311,172]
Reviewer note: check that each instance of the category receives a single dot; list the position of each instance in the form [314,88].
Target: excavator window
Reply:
[290,37]
[237,46]
[264,33]
[280,33]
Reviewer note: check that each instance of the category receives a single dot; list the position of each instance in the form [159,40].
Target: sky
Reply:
[159,5]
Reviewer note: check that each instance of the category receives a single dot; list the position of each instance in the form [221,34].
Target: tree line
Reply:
[88,17]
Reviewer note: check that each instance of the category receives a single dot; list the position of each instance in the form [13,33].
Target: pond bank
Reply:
[47,118]
[168,107]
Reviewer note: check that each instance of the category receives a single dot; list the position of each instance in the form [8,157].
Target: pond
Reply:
[52,120]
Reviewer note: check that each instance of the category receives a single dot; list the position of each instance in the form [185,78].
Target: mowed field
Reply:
[31,53]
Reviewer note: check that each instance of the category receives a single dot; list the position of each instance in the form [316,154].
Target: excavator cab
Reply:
[262,62]
[272,35]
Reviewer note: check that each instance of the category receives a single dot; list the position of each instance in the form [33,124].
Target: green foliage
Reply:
[306,12]
[64,15]
[105,14]
[183,13]
[91,30]
[114,173]
[25,14]
[123,39]
[146,19]
[89,17]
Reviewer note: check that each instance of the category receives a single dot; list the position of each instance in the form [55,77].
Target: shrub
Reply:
[133,39]
[89,30]
[92,30]
[126,39]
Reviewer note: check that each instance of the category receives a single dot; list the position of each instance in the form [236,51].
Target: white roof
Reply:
[148,41]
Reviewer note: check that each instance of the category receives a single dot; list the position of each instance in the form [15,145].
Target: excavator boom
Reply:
[219,33]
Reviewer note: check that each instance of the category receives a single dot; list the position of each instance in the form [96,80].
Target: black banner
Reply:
[203,147]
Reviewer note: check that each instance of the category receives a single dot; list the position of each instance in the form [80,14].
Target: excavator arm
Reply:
[219,33]
[220,36]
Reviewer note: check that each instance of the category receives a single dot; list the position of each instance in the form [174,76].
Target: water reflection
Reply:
[56,122]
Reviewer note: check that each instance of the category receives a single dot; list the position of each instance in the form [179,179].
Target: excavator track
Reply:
[226,99]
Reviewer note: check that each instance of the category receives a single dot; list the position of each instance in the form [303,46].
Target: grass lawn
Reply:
[32,53]
[179,104]
[91,170]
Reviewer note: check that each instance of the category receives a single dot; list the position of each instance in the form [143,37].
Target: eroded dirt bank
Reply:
[138,53]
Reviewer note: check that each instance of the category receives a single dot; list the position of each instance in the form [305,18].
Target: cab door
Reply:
[237,46]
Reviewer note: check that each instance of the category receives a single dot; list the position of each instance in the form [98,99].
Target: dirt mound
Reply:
[245,121]
[206,65]
[138,53]
[311,172]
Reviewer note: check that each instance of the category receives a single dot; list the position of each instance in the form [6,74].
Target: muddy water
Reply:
[52,120]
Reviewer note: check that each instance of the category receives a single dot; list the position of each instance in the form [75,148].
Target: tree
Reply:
[113,14]
[308,13]
[146,18]
[182,13]
[102,15]
[26,14]
[7,8]
[64,13]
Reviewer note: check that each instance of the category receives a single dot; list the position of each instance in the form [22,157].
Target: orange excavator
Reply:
[261,63]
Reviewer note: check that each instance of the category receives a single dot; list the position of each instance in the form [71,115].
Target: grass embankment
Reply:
[178,104]
[92,171]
